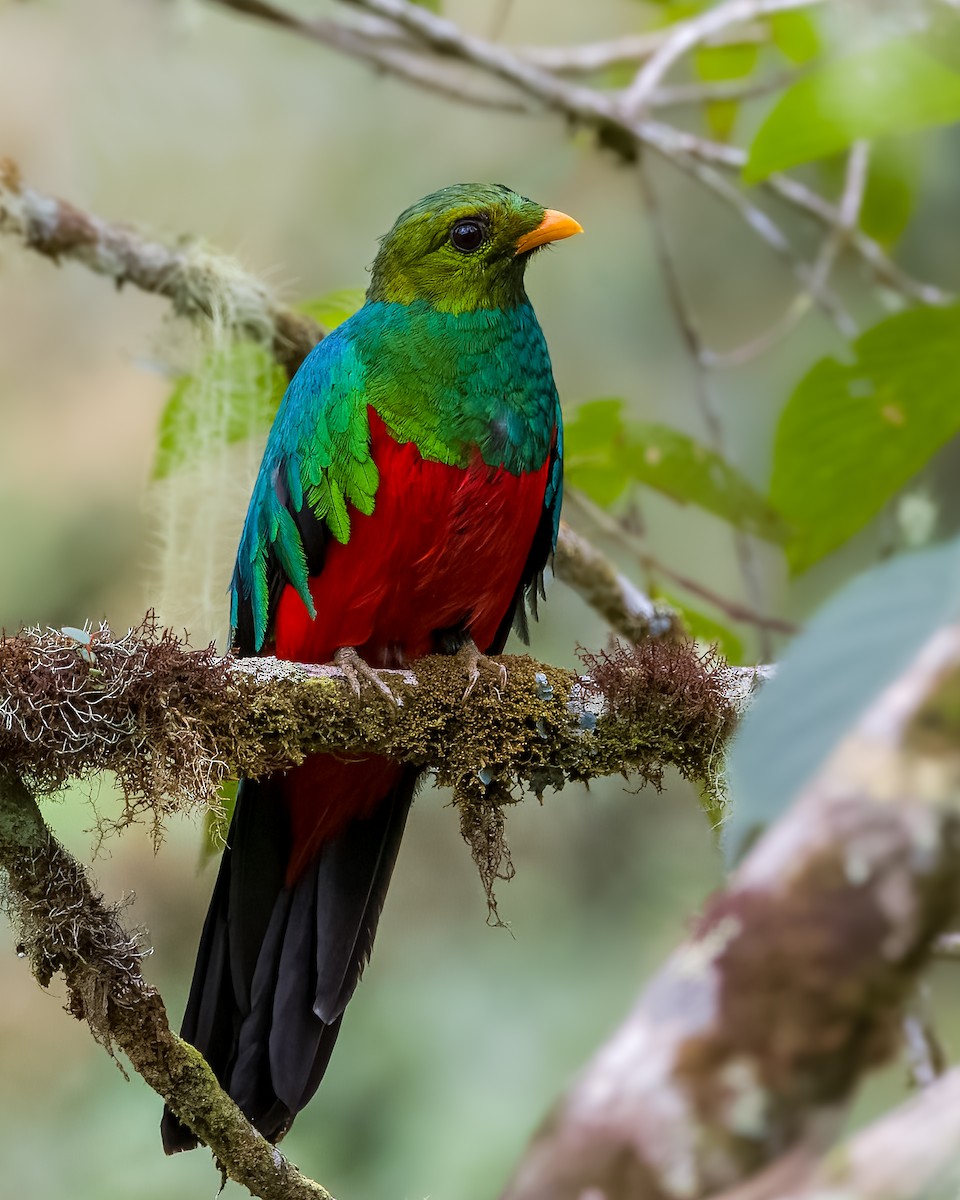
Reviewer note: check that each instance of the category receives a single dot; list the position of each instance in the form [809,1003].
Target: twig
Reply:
[601,520]
[531,72]
[705,391]
[380,43]
[628,611]
[639,94]
[837,236]
[590,57]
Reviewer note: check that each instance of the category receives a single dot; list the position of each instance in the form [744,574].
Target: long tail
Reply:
[290,927]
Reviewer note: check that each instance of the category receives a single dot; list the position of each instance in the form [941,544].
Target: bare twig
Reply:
[691,33]
[705,391]
[535,74]
[575,501]
[380,43]
[590,57]
[837,236]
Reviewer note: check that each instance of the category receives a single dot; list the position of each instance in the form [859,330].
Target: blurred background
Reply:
[186,120]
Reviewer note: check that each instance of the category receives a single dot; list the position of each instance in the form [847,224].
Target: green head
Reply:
[464,248]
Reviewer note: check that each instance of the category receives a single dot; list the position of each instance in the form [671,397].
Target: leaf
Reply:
[852,434]
[603,453]
[893,178]
[718,63]
[892,88]
[854,647]
[332,310]
[234,394]
[795,35]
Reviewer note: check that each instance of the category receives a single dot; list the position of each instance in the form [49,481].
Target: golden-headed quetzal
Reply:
[407,504]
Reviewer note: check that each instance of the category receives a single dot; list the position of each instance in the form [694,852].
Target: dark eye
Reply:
[466,236]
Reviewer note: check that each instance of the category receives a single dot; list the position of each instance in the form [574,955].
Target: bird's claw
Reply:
[357,672]
[474,663]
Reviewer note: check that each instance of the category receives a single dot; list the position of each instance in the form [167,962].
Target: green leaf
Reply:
[705,628]
[893,179]
[604,453]
[892,88]
[332,310]
[718,63]
[234,394]
[795,35]
[852,434]
[857,645]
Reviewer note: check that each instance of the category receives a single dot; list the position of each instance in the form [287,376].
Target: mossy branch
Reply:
[63,925]
[173,722]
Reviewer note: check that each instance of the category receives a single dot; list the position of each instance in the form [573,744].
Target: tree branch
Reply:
[750,1039]
[200,283]
[63,925]
[172,723]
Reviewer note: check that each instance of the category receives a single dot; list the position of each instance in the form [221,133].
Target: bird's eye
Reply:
[467,236]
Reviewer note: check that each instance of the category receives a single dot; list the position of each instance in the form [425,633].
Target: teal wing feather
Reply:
[316,463]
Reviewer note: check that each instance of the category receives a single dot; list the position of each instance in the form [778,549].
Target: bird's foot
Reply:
[358,672]
[475,663]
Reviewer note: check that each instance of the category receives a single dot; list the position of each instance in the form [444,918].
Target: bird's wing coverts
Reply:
[317,462]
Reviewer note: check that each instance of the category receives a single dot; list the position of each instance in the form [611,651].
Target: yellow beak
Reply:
[554,226]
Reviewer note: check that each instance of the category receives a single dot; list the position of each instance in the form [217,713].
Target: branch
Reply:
[172,723]
[750,1039]
[577,501]
[909,1153]
[536,75]
[692,33]
[63,925]
[627,610]
[200,283]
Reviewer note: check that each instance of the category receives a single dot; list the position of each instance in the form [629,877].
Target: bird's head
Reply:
[464,247]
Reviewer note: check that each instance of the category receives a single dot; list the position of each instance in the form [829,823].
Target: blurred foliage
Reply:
[248,384]
[604,453]
[332,310]
[795,35]
[715,64]
[854,647]
[893,88]
[853,433]
[892,191]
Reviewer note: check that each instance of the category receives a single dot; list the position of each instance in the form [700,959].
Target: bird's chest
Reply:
[444,549]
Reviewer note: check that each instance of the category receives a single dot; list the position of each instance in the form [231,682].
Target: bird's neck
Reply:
[459,383]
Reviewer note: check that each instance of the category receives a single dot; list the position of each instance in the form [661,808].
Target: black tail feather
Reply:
[277,965]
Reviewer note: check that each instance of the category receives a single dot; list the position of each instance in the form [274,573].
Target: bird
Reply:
[407,504]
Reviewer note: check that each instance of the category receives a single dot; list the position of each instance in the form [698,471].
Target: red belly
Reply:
[444,547]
